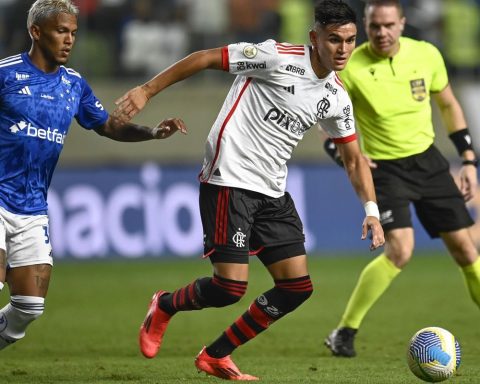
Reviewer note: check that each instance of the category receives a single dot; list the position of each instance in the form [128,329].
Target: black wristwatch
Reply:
[470,162]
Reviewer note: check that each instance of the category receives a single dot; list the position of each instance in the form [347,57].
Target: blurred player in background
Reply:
[280,91]
[390,80]
[39,97]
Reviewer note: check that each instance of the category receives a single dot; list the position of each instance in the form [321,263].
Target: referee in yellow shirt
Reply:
[390,80]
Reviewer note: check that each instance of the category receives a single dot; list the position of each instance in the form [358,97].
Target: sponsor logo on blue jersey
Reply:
[48,134]
[21,76]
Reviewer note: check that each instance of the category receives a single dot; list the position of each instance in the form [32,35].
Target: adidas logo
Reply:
[290,89]
[25,91]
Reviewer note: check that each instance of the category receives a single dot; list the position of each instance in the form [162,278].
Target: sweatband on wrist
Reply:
[371,209]
[462,140]
[470,162]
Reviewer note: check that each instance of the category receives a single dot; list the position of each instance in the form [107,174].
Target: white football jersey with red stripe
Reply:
[275,98]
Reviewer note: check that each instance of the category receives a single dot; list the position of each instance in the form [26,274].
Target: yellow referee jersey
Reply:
[391,97]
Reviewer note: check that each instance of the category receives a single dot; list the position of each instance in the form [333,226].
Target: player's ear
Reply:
[35,32]
[313,37]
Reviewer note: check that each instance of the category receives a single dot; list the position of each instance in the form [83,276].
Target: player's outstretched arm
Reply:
[135,99]
[361,178]
[119,130]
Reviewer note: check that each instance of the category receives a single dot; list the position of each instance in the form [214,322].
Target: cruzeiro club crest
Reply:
[418,89]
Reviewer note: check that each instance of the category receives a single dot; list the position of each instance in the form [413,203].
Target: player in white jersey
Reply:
[275,99]
[39,98]
[281,90]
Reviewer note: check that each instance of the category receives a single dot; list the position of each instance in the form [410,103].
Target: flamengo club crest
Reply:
[418,89]
[239,238]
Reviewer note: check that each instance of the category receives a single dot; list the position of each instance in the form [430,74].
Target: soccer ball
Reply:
[433,354]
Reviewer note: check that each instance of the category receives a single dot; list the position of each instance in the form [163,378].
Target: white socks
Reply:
[16,315]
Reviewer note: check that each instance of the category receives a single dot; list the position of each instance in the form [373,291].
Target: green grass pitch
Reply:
[89,331]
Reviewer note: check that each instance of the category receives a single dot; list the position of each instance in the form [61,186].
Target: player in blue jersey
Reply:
[39,98]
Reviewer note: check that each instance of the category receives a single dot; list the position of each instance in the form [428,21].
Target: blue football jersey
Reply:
[36,110]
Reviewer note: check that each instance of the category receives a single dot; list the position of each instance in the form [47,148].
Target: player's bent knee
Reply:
[294,299]
[285,297]
[220,292]
[294,291]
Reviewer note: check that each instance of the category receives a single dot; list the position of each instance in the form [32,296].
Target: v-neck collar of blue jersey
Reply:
[27,59]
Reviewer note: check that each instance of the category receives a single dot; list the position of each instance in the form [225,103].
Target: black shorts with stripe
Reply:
[425,181]
[238,223]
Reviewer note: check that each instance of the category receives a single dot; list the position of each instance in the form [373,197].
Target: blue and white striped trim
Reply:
[12,60]
[71,71]
[29,304]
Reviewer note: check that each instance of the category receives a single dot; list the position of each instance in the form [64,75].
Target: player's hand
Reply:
[168,127]
[468,182]
[372,224]
[130,104]
[370,162]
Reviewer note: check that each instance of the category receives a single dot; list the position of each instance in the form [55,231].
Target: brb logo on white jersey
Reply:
[48,134]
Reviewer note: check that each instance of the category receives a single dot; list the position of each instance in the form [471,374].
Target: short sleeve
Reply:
[439,70]
[91,113]
[340,127]
[253,60]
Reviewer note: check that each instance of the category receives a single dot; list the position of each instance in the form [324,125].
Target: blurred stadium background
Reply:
[133,200]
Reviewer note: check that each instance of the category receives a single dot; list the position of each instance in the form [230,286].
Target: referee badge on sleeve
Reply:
[418,89]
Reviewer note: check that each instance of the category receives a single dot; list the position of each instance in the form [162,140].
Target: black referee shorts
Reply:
[425,181]
[238,223]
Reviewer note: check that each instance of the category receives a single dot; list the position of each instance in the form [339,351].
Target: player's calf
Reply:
[285,297]
[269,307]
[204,292]
[17,315]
